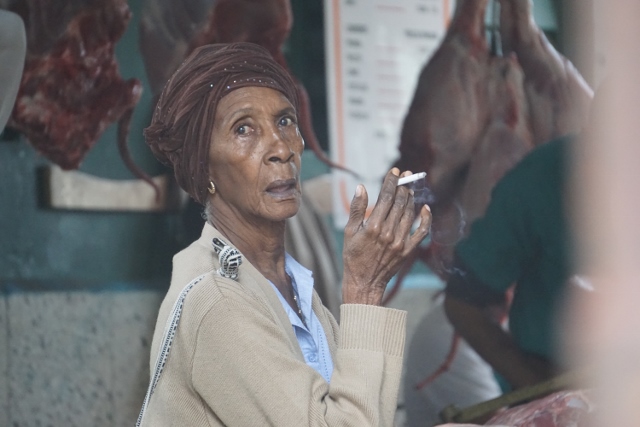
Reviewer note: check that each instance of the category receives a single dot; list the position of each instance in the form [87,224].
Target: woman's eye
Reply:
[287,121]
[242,129]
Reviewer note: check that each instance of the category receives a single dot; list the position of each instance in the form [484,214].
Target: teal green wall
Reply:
[305,56]
[84,248]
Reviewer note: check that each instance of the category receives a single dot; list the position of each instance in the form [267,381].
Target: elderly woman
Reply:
[241,338]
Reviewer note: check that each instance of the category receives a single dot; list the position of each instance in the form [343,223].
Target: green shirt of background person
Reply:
[522,240]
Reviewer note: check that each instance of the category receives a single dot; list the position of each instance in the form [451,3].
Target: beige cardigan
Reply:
[235,360]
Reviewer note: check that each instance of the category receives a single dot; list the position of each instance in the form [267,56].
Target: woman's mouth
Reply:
[282,187]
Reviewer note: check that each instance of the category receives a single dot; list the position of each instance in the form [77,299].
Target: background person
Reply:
[523,238]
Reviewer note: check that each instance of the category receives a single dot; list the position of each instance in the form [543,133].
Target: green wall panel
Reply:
[84,247]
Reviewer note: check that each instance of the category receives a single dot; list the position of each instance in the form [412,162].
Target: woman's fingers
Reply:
[374,250]
[403,229]
[391,226]
[422,230]
[392,217]
[357,211]
[385,198]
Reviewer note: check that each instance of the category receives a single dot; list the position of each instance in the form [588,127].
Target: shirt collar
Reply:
[302,280]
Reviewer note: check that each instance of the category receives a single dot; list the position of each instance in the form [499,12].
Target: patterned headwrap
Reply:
[182,124]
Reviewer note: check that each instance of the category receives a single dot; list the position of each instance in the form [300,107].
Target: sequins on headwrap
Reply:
[182,123]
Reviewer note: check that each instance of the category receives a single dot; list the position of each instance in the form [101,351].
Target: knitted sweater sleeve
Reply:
[245,372]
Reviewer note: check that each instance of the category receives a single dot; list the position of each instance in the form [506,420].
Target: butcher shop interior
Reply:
[520,306]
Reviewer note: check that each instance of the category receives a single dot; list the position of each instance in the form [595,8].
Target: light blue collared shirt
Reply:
[312,339]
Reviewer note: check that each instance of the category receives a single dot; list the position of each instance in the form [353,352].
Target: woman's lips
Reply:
[282,187]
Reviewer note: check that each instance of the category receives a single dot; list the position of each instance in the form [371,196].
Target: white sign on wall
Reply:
[375,51]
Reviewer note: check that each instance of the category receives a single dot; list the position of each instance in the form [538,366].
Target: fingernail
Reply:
[395,171]
[411,191]
[428,208]
[359,190]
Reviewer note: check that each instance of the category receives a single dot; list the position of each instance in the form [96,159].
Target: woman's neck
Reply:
[260,242]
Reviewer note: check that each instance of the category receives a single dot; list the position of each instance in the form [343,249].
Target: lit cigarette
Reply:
[411,178]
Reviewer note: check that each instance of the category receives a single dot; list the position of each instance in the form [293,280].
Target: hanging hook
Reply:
[496,40]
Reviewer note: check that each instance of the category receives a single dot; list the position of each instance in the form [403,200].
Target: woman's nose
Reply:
[280,149]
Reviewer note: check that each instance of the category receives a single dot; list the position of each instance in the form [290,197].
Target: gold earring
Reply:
[211,187]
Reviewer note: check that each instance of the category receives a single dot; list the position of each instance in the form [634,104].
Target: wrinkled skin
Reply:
[375,248]
[254,159]
[254,163]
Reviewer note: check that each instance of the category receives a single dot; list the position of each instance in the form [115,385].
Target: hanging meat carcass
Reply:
[504,141]
[558,96]
[467,129]
[167,28]
[71,89]
[448,111]
[467,125]
[170,29]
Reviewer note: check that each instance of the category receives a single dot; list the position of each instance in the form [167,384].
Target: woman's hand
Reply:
[375,248]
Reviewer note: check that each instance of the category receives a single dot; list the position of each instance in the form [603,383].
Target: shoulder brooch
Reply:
[230,259]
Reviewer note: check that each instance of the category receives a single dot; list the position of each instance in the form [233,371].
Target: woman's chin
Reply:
[285,209]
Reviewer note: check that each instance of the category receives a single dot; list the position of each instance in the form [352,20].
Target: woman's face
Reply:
[254,159]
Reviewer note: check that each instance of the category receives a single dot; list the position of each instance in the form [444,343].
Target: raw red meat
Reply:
[467,125]
[449,107]
[562,409]
[504,141]
[558,96]
[71,89]
[444,123]
[474,115]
